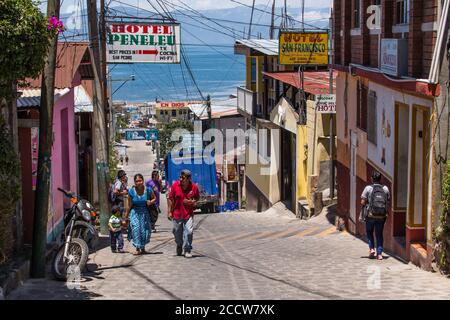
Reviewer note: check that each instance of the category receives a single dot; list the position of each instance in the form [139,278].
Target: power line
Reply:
[307,24]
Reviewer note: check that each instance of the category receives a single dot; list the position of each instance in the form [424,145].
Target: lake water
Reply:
[217,72]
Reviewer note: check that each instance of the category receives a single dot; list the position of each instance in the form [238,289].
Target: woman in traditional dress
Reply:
[140,198]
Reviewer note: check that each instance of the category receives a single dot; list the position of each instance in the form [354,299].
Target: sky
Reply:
[69,5]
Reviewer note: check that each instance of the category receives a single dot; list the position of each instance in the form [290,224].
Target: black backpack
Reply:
[378,202]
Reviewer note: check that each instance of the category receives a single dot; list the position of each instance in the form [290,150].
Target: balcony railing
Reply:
[246,100]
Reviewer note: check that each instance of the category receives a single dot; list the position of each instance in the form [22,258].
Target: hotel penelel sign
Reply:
[303,48]
[143,43]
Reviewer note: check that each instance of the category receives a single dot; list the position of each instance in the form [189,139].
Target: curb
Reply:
[20,273]
[15,278]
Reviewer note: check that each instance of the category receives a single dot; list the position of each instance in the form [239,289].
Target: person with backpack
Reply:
[119,190]
[375,200]
[155,184]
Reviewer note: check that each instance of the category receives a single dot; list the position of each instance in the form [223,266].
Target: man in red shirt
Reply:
[182,199]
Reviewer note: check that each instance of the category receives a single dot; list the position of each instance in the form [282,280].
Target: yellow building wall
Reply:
[301,165]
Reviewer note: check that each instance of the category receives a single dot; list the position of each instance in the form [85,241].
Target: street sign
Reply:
[303,48]
[152,134]
[143,43]
[325,103]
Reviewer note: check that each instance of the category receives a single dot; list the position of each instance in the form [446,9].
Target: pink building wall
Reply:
[64,160]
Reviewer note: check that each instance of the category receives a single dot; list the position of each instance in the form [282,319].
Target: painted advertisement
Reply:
[303,48]
[143,43]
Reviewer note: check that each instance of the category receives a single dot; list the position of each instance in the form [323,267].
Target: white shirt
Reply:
[368,190]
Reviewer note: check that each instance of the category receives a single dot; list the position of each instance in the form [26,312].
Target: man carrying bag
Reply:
[374,200]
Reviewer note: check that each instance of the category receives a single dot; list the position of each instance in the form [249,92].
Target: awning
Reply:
[32,97]
[315,82]
[83,103]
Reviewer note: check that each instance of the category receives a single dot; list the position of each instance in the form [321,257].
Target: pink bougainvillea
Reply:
[55,24]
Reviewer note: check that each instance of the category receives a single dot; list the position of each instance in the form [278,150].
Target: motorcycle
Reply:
[72,255]
[83,229]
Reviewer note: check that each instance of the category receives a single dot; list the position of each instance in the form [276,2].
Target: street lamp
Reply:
[130,78]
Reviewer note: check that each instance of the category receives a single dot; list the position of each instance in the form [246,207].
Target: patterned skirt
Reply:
[139,228]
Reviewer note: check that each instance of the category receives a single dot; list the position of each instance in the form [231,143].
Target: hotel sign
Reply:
[325,103]
[143,43]
[303,48]
[394,56]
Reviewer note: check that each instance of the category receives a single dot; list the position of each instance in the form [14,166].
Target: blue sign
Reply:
[152,134]
[135,135]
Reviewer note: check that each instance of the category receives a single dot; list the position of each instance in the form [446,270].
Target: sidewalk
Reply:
[248,255]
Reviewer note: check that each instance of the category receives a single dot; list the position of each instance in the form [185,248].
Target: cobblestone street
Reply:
[245,255]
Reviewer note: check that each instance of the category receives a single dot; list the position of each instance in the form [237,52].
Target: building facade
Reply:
[386,114]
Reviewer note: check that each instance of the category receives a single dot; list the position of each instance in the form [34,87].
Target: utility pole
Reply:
[331,115]
[251,21]
[38,262]
[208,109]
[100,142]
[106,102]
[272,21]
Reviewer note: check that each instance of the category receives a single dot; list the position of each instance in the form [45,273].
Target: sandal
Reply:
[136,253]
[371,254]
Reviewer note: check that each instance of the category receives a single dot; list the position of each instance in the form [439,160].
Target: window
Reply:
[174,113]
[402,9]
[356,14]
[372,117]
[361,110]
[253,69]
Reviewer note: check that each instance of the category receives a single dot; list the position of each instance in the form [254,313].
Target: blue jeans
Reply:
[183,231]
[116,238]
[377,226]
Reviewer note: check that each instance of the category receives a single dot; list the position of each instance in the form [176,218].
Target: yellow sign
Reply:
[304,48]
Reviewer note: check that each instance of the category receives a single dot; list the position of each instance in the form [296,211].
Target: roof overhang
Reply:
[411,85]
[315,82]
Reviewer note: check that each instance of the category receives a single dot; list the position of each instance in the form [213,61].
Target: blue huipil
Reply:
[139,230]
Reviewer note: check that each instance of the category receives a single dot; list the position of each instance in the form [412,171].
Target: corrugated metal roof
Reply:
[267,47]
[315,82]
[69,57]
[32,97]
[218,109]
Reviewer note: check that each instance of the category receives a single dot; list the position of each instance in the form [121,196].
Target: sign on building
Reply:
[303,48]
[325,103]
[143,43]
[152,134]
[394,56]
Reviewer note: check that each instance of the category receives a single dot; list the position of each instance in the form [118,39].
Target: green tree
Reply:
[24,40]
[441,234]
[165,134]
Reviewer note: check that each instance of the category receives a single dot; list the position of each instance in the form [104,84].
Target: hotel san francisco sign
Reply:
[143,43]
[303,48]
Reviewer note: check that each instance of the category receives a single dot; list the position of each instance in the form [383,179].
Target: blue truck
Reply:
[203,174]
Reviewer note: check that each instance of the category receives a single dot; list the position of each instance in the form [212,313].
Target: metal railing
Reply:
[246,100]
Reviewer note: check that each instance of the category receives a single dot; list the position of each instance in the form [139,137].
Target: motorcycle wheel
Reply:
[78,254]
[81,231]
